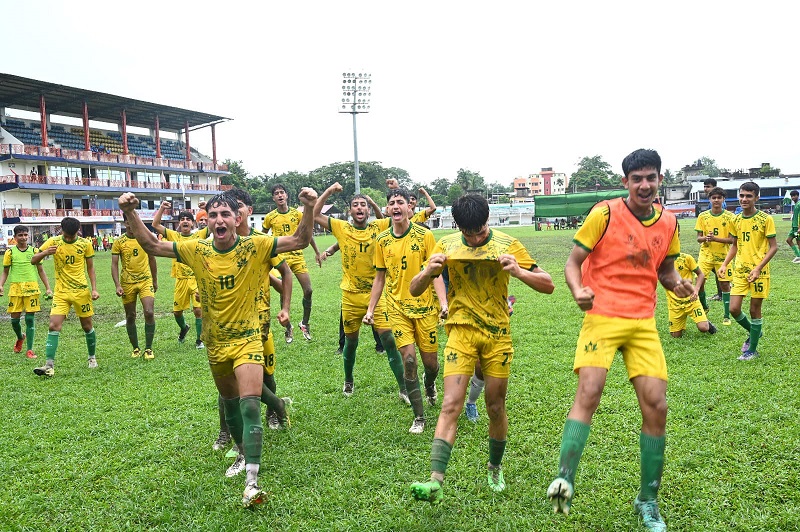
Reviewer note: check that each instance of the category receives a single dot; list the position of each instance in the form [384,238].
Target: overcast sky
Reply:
[500,88]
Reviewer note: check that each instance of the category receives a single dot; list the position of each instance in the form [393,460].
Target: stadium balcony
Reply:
[119,185]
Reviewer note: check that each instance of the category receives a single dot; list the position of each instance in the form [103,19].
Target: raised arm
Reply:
[431,208]
[151,245]
[375,208]
[157,218]
[302,236]
[320,218]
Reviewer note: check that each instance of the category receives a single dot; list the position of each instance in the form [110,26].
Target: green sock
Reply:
[30,328]
[91,342]
[133,336]
[349,357]
[796,250]
[306,310]
[252,429]
[395,360]
[269,382]
[755,333]
[51,346]
[702,297]
[272,401]
[17,327]
[726,304]
[198,326]
[233,417]
[572,444]
[149,334]
[440,455]
[652,463]
[496,450]
[180,321]
[223,425]
[415,396]
[742,320]
[430,376]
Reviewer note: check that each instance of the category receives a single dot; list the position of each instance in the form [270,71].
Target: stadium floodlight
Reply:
[356,96]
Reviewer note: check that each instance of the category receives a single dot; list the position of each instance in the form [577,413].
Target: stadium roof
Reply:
[23,93]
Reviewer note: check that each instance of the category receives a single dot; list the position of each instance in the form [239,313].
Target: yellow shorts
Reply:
[297,263]
[421,331]
[467,345]
[24,296]
[267,342]
[759,289]
[185,289]
[142,289]
[224,359]
[354,306]
[80,300]
[707,266]
[637,339]
[679,312]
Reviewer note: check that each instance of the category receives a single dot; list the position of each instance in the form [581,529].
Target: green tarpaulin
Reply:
[572,204]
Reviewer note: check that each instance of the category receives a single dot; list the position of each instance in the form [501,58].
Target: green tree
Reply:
[454,193]
[439,186]
[469,180]
[378,196]
[593,172]
[710,167]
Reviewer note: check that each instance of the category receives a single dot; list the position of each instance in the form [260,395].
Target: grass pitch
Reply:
[128,446]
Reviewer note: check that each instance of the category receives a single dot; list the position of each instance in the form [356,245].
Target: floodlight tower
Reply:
[356,94]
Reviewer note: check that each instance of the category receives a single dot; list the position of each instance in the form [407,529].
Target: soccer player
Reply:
[23,292]
[185,282]
[480,261]
[753,246]
[283,221]
[357,243]
[624,247]
[713,235]
[401,251]
[793,238]
[682,307]
[708,185]
[417,217]
[139,279]
[230,270]
[73,261]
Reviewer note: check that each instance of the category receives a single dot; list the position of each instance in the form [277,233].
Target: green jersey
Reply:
[21,270]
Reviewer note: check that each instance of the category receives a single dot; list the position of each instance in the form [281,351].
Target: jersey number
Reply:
[363,247]
[403,263]
[746,236]
[287,228]
[135,252]
[69,259]
[226,282]
[759,286]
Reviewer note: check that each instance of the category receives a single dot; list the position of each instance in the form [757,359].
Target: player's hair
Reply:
[639,159]
[749,186]
[241,195]
[21,229]
[710,181]
[187,214]
[412,194]
[358,196]
[470,212]
[223,198]
[279,186]
[717,191]
[397,192]
[70,226]
[794,193]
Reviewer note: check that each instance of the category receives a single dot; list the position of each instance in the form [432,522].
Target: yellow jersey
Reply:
[421,217]
[229,282]
[478,291]
[752,234]
[403,257]
[358,250]
[135,262]
[69,262]
[719,225]
[283,224]
[178,270]
[687,268]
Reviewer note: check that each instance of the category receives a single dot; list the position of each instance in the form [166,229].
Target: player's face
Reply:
[359,210]
[642,188]
[794,197]
[707,189]
[747,200]
[716,202]
[412,203]
[476,238]
[222,223]
[397,208]
[22,239]
[185,225]
[280,197]
[244,211]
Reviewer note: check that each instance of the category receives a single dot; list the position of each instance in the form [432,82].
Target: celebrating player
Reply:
[682,307]
[480,261]
[73,261]
[622,249]
[23,293]
[139,278]
[753,246]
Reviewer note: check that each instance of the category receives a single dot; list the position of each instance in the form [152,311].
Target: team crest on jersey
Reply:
[591,346]
[657,242]
[452,357]
[398,333]
[414,247]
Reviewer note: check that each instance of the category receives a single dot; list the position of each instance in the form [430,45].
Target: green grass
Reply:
[128,446]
